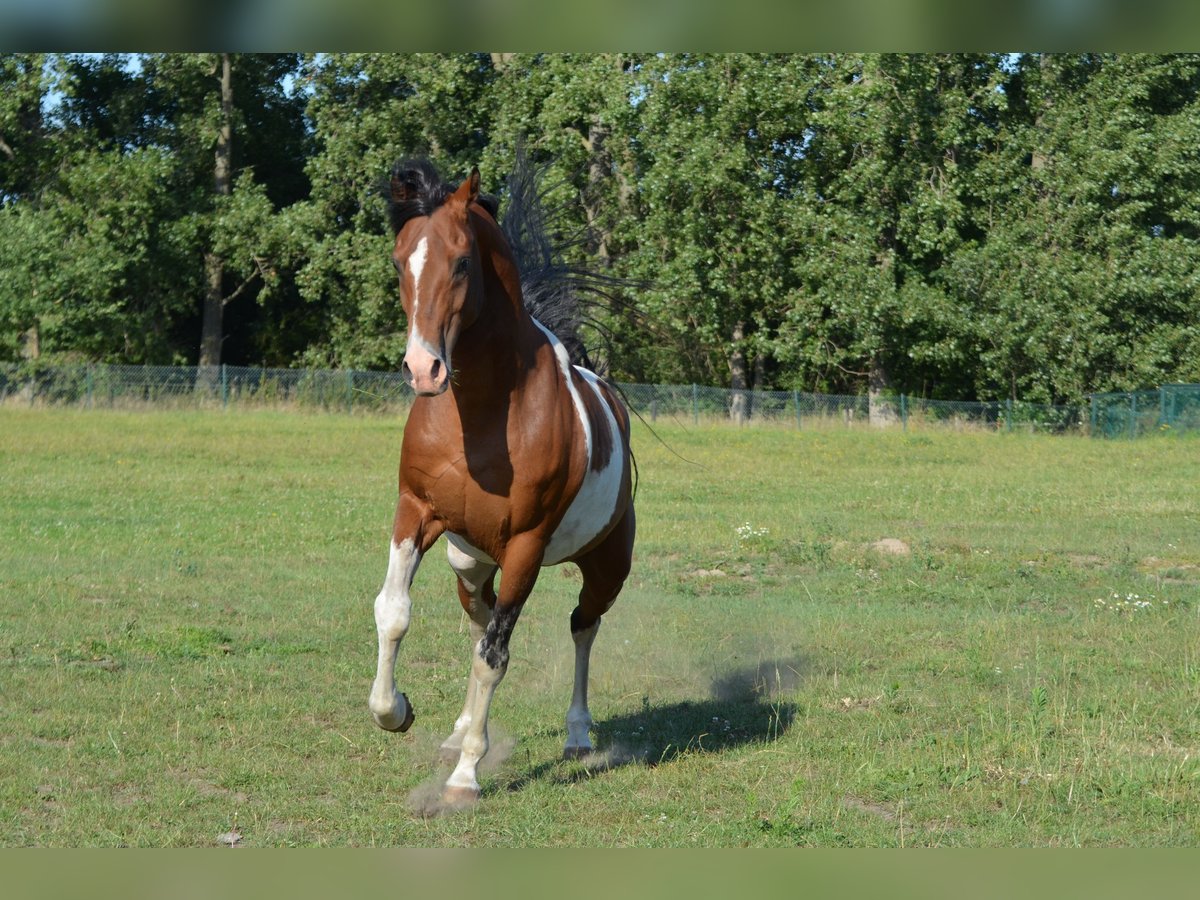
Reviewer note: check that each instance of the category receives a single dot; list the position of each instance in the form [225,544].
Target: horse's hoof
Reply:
[576,752]
[460,796]
[388,723]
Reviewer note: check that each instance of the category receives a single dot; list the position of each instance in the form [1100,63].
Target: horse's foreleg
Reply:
[521,563]
[410,539]
[477,596]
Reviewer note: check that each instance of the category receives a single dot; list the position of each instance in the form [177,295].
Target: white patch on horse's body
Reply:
[593,507]
[465,547]
[564,366]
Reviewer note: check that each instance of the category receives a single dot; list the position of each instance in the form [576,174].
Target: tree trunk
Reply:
[760,379]
[31,345]
[739,377]
[881,408]
[214,267]
[594,144]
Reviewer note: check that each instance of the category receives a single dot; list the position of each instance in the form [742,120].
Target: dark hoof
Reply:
[577,752]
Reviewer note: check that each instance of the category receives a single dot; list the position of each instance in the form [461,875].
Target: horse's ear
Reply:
[468,191]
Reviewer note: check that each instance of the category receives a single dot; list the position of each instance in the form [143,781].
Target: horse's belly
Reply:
[590,514]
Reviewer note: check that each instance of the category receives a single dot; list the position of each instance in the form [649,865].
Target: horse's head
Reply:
[436,257]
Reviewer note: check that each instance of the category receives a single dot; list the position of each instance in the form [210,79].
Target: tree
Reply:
[894,144]
[91,263]
[26,150]
[123,230]
[715,140]
[1087,277]
[238,139]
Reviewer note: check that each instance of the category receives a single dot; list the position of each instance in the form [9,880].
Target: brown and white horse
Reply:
[518,456]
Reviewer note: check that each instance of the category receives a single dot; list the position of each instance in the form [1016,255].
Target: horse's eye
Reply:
[461,266]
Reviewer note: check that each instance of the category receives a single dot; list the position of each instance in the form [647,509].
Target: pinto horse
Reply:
[518,456]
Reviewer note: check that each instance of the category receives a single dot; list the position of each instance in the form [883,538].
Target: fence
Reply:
[801,409]
[1171,408]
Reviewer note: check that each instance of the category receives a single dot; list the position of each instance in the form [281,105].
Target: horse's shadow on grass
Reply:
[746,706]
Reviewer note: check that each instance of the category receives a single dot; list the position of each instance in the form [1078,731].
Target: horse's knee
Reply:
[392,617]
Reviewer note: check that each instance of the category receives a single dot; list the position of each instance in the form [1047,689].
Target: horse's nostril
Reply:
[435,370]
[406,373]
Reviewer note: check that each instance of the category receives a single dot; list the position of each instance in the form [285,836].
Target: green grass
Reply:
[187,642]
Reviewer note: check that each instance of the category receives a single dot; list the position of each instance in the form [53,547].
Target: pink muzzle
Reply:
[426,372]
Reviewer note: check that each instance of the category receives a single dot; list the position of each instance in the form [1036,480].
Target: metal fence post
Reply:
[88,383]
[1008,404]
[796,403]
[903,413]
[1132,416]
[695,404]
[350,390]
[224,387]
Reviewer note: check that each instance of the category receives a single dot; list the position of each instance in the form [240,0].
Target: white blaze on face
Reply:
[416,265]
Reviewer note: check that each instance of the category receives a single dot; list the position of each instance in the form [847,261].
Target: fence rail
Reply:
[1170,408]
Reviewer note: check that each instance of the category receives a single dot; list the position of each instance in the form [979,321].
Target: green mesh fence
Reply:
[1171,408]
[1180,406]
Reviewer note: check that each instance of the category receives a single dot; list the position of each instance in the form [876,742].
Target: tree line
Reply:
[953,226]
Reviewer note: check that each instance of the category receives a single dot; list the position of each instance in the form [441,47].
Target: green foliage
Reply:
[97,272]
[955,226]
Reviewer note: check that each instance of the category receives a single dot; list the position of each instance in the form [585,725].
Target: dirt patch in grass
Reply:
[1166,571]
[878,810]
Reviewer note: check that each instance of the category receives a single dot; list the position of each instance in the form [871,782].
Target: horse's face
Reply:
[440,287]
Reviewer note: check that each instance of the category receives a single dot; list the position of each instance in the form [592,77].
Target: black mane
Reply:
[426,192]
[554,291]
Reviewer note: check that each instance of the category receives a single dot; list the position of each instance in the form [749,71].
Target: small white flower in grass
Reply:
[746,531]
[1129,603]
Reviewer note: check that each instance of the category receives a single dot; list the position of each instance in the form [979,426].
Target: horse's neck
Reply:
[497,353]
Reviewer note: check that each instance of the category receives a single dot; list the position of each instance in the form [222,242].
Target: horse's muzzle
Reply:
[426,373]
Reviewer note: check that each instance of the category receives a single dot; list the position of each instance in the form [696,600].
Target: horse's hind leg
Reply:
[477,596]
[604,571]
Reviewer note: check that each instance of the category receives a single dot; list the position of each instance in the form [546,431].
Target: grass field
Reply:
[187,642]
